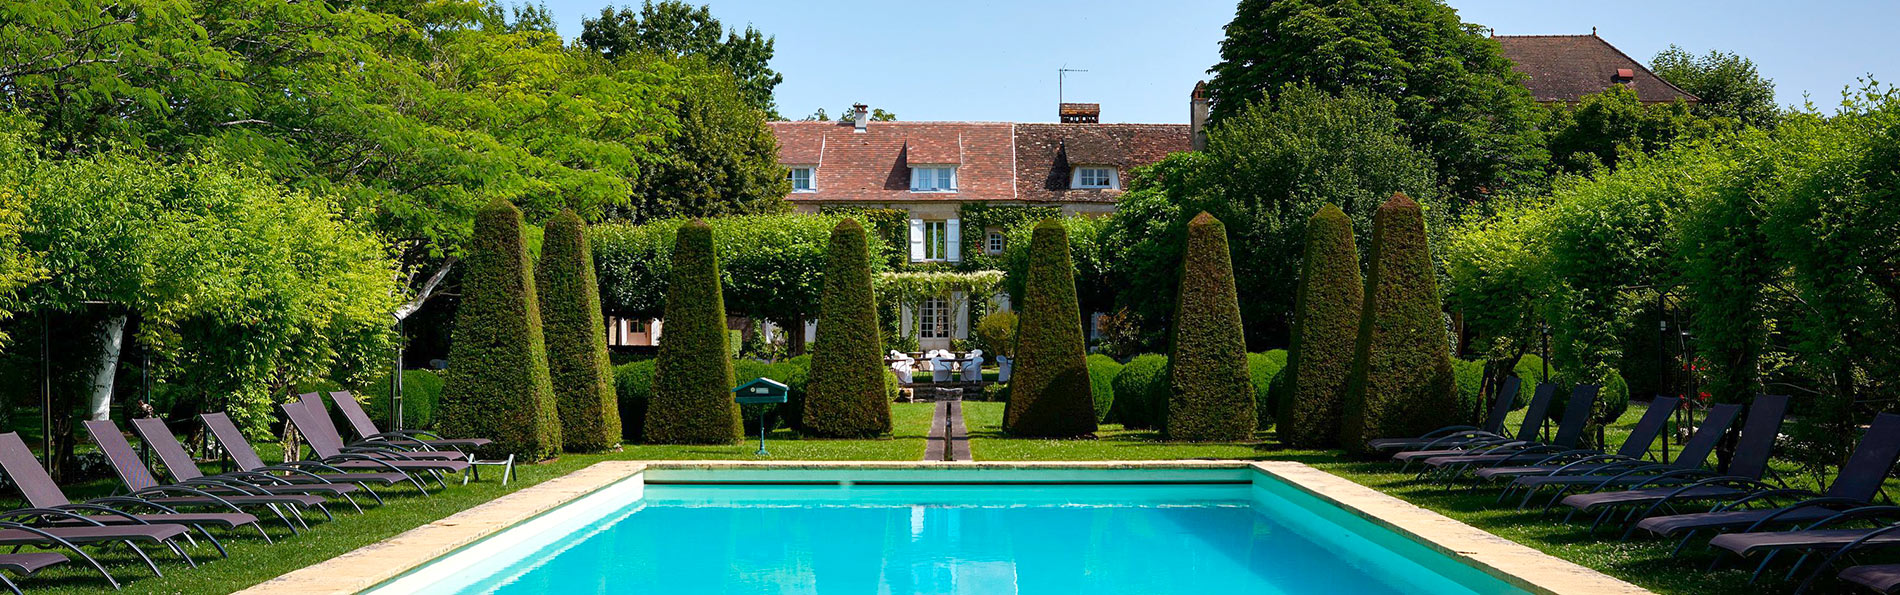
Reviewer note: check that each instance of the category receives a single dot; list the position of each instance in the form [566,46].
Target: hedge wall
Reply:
[846,396]
[1211,397]
[1262,368]
[1049,391]
[1326,314]
[692,380]
[421,396]
[633,388]
[577,349]
[1141,392]
[1102,372]
[497,385]
[1401,382]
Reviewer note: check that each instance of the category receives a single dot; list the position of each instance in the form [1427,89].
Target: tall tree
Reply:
[1325,323]
[1454,89]
[846,397]
[675,28]
[1210,394]
[1727,84]
[1603,128]
[498,384]
[1049,392]
[577,349]
[692,380]
[1401,382]
[721,160]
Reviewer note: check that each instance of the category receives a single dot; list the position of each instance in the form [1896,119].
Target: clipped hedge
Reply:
[497,385]
[1401,382]
[577,349]
[1102,371]
[421,395]
[996,333]
[1141,392]
[1049,391]
[846,396]
[692,381]
[1211,397]
[1261,370]
[1326,314]
[1469,376]
[633,388]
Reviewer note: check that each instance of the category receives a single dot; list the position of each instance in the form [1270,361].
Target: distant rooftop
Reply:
[1564,68]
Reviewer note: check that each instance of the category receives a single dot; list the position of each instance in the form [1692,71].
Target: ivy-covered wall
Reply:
[978,218]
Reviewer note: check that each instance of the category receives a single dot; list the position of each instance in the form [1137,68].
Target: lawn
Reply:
[1645,562]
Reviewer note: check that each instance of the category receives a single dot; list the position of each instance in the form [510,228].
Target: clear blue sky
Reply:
[988,60]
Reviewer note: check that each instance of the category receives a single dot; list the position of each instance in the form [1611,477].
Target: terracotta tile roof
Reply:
[1046,152]
[995,160]
[874,165]
[1568,67]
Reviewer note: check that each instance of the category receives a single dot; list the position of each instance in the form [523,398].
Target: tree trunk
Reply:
[111,342]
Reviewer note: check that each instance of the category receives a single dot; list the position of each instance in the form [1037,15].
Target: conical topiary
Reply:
[1049,389]
[577,349]
[1210,394]
[497,384]
[692,381]
[1401,382]
[844,397]
[1325,329]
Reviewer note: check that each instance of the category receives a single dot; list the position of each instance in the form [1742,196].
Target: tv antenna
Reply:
[1060,73]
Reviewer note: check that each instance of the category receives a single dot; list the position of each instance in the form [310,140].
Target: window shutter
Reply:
[959,319]
[916,240]
[913,183]
[954,229]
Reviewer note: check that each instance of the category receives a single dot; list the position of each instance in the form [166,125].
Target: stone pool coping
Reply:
[377,563]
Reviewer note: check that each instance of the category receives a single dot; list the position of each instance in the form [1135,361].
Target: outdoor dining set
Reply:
[944,365]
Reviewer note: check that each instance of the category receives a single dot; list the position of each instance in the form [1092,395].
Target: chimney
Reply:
[1197,116]
[1080,113]
[860,116]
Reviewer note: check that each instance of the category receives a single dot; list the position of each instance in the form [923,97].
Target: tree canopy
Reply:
[1727,84]
[675,28]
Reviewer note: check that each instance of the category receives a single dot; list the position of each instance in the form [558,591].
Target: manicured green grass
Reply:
[252,561]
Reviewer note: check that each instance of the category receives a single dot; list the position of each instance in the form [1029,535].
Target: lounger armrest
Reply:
[1673,475]
[178,489]
[259,479]
[1461,439]
[92,506]
[1448,430]
[1821,502]
[1855,514]
[295,467]
[1763,494]
[227,484]
[52,512]
[361,450]
[49,537]
[1565,469]
[358,457]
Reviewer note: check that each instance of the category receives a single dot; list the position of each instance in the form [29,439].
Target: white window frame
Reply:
[933,318]
[931,178]
[1112,183]
[993,241]
[936,240]
[811,175]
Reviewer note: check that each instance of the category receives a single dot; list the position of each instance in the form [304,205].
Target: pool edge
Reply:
[378,563]
[1515,563]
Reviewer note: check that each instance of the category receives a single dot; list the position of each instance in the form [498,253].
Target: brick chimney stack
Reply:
[860,116]
[1197,116]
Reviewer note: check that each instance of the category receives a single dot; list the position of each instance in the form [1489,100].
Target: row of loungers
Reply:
[1747,510]
[175,515]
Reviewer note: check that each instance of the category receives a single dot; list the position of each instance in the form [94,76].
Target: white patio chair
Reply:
[940,366]
[973,369]
[1002,369]
[902,369]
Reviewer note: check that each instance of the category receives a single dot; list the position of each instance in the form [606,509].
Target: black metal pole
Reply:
[46,386]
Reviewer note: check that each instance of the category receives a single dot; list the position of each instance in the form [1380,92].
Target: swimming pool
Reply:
[951,530]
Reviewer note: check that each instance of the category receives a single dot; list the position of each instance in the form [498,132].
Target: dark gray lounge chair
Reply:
[1881,578]
[411,450]
[1665,490]
[1583,474]
[1634,448]
[27,564]
[184,469]
[1449,436]
[1859,481]
[302,472]
[330,449]
[1534,417]
[1577,413]
[226,495]
[53,521]
[42,493]
[366,429]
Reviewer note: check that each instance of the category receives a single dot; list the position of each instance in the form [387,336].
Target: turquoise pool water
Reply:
[1237,537]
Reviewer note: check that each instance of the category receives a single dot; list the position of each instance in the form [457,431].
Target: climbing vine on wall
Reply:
[979,219]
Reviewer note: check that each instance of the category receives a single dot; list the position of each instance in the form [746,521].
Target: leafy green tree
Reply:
[692,384]
[1211,396]
[1265,172]
[577,349]
[1605,126]
[1049,390]
[1325,325]
[1453,88]
[1094,289]
[1401,382]
[498,384]
[1727,85]
[845,397]
[675,28]
[721,160]
[1102,372]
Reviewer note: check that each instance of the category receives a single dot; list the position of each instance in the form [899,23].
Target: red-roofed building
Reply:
[1564,68]
[931,169]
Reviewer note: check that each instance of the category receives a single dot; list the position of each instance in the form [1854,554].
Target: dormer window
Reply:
[1088,177]
[933,178]
[801,179]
